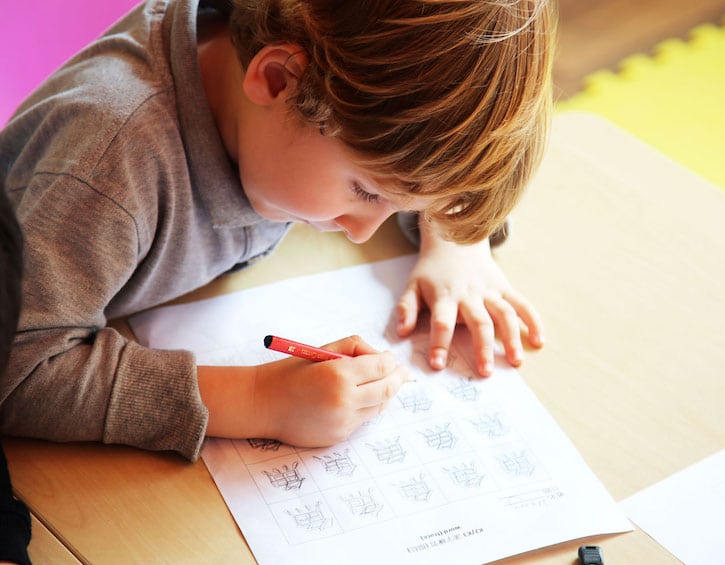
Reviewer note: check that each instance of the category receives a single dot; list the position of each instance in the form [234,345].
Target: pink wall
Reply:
[37,36]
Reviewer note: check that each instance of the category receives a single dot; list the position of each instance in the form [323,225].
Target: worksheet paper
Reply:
[456,469]
[684,512]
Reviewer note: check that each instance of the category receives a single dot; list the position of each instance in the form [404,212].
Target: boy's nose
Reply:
[359,230]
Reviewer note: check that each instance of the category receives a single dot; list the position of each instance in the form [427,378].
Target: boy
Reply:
[184,143]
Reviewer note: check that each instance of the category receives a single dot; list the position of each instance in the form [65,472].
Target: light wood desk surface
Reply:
[621,250]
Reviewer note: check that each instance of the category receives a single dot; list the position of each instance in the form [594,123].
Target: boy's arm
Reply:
[70,378]
[462,283]
[301,402]
[101,387]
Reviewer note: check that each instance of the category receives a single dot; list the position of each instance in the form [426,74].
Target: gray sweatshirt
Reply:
[127,200]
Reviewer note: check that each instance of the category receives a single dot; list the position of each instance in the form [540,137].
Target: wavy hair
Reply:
[448,100]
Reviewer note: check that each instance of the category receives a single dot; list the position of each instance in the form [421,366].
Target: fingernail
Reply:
[438,359]
[402,315]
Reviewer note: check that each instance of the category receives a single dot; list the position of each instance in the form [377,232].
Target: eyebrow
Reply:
[403,203]
[400,201]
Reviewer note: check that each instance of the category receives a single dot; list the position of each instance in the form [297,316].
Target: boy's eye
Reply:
[363,194]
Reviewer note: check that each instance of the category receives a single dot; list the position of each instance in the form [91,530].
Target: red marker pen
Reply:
[301,350]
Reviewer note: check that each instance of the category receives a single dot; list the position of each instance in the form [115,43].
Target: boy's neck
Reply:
[221,75]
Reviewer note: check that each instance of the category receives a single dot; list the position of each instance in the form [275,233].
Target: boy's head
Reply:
[11,244]
[448,101]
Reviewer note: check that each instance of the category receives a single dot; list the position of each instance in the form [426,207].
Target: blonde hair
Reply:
[448,100]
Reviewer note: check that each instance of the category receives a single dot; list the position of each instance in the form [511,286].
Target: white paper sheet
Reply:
[456,470]
[684,512]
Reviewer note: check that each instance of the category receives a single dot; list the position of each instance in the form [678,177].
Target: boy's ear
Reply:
[272,72]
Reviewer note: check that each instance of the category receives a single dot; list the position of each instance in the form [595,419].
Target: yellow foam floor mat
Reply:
[673,100]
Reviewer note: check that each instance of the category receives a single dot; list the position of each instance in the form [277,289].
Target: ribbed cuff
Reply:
[157,405]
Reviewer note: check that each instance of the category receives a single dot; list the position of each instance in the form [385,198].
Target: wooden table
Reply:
[622,251]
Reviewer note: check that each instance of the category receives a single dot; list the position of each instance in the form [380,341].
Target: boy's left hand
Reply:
[464,284]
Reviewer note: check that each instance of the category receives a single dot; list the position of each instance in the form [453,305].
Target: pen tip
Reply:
[267,340]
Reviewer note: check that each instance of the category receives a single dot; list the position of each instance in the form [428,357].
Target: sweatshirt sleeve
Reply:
[71,378]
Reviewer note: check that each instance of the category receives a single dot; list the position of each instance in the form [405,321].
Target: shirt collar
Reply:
[214,177]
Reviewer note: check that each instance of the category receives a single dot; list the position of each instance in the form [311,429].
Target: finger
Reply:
[529,316]
[352,346]
[379,392]
[507,324]
[444,314]
[371,412]
[407,310]
[366,369]
[481,327]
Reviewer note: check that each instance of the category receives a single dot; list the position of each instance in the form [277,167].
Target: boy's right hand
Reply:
[310,404]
